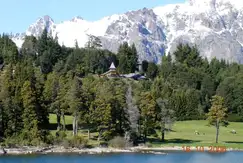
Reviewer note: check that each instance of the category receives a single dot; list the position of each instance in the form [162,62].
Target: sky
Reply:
[17,15]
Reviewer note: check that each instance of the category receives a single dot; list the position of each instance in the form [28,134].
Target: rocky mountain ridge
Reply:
[215,26]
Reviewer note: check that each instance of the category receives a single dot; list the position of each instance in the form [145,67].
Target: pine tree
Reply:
[144,66]
[10,112]
[30,120]
[51,91]
[152,70]
[133,115]
[45,62]
[42,42]
[128,58]
[29,47]
[162,91]
[77,102]
[148,112]
[134,59]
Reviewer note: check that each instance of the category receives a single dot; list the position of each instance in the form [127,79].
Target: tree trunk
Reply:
[88,134]
[74,125]
[163,136]
[2,124]
[64,122]
[145,130]
[58,121]
[145,136]
[99,137]
[162,132]
[217,130]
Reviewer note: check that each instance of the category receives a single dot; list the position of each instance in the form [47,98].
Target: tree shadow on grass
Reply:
[234,142]
[175,141]
[53,126]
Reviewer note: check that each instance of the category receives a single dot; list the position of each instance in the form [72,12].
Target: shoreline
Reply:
[101,150]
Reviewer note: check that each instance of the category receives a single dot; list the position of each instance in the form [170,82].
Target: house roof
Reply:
[112,66]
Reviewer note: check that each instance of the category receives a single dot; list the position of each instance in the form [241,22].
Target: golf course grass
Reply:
[183,134]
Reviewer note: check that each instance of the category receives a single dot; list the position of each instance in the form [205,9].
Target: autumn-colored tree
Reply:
[217,113]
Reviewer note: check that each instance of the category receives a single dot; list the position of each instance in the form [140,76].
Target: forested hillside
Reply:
[44,77]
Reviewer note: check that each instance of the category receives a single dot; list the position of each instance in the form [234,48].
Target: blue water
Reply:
[228,157]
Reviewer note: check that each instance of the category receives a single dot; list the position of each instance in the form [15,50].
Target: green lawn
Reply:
[184,134]
[53,119]
[69,120]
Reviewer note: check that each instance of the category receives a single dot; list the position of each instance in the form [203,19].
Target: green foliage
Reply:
[152,70]
[8,50]
[128,58]
[119,142]
[30,120]
[44,77]
[78,142]
[217,113]
[144,66]
[188,55]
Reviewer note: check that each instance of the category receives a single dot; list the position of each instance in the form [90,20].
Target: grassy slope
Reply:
[53,119]
[184,134]
[69,120]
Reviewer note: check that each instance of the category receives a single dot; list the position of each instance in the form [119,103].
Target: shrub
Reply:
[119,142]
[60,137]
[148,145]
[234,118]
[49,139]
[78,142]
[61,134]
[155,135]
[9,142]
[65,143]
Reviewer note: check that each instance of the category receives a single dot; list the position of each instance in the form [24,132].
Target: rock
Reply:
[233,131]
[2,151]
[197,133]
[214,26]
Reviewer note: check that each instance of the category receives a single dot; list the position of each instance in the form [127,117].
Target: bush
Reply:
[61,135]
[103,144]
[155,135]
[148,145]
[151,131]
[65,143]
[9,143]
[119,142]
[78,142]
[49,139]
[234,118]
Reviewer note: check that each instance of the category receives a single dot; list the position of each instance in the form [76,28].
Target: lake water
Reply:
[228,157]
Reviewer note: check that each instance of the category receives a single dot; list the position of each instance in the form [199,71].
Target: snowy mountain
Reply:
[215,26]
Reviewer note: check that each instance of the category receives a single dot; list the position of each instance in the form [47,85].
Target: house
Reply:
[112,73]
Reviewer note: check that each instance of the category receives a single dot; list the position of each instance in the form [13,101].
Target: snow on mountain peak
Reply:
[41,23]
[202,3]
[77,18]
[215,26]
[47,18]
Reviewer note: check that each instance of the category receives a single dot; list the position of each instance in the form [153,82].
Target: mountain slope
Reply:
[215,26]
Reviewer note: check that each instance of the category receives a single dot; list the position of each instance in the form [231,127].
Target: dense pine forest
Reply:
[44,77]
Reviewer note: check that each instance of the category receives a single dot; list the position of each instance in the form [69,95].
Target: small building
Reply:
[112,73]
[135,76]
